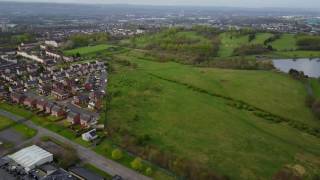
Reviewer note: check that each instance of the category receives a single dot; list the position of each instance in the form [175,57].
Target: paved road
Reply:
[85,154]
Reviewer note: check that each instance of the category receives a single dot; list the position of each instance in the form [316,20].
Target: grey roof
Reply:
[56,108]
[60,174]
[72,114]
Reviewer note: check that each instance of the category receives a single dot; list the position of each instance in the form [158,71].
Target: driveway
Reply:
[85,154]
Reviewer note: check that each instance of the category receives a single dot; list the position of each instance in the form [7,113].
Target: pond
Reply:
[309,67]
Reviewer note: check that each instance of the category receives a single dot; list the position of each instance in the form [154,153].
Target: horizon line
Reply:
[158,5]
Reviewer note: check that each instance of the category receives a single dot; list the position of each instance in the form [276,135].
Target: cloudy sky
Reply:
[229,3]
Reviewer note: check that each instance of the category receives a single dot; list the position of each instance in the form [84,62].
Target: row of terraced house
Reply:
[54,109]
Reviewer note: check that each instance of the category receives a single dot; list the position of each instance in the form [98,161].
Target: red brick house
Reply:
[87,121]
[57,111]
[30,102]
[17,97]
[49,107]
[73,117]
[60,94]
[41,104]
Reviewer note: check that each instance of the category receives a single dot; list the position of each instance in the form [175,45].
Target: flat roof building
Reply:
[31,156]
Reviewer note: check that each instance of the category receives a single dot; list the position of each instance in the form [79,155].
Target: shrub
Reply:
[136,163]
[149,171]
[117,154]
[250,50]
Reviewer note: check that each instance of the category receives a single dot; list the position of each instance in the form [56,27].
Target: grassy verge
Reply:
[26,131]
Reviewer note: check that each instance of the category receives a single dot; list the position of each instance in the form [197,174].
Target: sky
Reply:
[314,4]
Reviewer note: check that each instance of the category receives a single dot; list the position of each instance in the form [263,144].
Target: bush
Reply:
[250,50]
[116,154]
[136,164]
[149,171]
[309,43]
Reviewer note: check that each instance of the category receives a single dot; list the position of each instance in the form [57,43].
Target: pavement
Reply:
[85,154]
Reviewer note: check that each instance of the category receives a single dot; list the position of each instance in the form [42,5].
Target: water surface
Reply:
[309,67]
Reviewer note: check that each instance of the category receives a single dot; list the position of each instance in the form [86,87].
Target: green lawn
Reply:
[87,50]
[261,37]
[286,42]
[202,127]
[229,42]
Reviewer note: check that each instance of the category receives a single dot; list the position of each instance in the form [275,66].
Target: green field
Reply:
[153,99]
[315,85]
[229,42]
[261,37]
[286,42]
[87,50]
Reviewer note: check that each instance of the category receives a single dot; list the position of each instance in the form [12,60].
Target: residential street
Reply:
[85,154]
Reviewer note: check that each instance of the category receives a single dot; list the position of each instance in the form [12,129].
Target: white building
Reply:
[32,57]
[90,135]
[31,156]
[52,43]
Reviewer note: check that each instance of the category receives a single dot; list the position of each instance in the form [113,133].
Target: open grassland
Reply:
[286,42]
[203,127]
[87,50]
[188,42]
[261,37]
[220,45]
[229,42]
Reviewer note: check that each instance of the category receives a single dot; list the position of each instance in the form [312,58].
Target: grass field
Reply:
[229,42]
[286,42]
[315,84]
[198,126]
[87,50]
[261,37]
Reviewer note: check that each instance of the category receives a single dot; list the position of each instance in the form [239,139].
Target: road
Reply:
[85,154]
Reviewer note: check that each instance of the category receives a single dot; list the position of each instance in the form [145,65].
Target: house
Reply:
[49,107]
[90,135]
[60,94]
[57,111]
[17,97]
[30,102]
[81,100]
[41,104]
[44,89]
[73,117]
[86,120]
[96,95]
